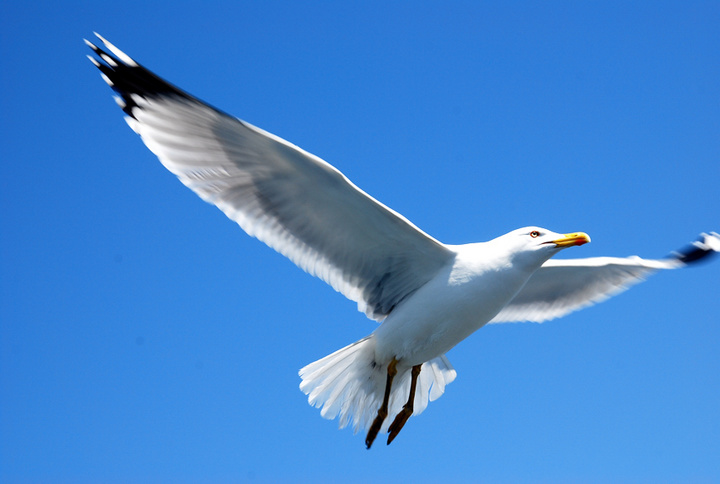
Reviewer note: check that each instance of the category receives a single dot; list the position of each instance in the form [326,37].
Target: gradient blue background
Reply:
[145,338]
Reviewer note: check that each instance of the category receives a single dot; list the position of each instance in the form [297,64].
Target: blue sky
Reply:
[144,337]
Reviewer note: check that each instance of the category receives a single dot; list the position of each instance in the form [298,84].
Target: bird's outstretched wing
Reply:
[290,199]
[562,286]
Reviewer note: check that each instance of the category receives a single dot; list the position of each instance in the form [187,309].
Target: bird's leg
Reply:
[407,409]
[383,411]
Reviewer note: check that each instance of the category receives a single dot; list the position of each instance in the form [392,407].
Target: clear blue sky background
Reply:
[145,338]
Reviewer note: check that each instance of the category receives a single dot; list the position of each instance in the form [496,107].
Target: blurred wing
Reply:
[562,286]
[290,199]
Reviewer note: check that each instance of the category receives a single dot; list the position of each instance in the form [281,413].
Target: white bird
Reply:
[428,296]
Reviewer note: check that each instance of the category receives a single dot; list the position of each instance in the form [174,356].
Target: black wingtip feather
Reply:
[131,79]
[705,247]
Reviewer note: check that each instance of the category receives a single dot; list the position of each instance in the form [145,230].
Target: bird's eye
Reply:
[534,234]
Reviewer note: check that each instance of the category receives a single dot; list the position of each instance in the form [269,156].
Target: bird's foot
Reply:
[375,427]
[399,422]
[383,411]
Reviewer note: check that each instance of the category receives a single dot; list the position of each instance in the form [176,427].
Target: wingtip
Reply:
[121,56]
[707,245]
[94,61]
[712,240]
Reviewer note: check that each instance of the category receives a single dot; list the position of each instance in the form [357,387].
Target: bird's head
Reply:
[532,246]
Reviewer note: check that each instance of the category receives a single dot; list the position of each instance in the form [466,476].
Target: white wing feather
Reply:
[565,285]
[293,201]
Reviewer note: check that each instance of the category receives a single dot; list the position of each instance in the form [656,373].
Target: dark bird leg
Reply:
[383,411]
[407,409]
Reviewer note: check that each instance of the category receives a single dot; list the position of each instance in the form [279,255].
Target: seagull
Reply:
[427,295]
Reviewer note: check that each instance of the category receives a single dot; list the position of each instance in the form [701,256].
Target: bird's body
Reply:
[428,296]
[478,281]
[464,295]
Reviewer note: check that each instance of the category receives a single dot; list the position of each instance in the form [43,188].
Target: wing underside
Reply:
[290,199]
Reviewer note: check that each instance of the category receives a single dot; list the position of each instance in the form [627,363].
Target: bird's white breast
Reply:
[464,295]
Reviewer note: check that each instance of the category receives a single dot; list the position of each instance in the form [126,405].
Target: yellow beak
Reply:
[568,240]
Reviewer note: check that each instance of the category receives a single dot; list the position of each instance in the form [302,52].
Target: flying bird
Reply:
[427,295]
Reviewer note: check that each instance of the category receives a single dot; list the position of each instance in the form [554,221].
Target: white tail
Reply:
[349,383]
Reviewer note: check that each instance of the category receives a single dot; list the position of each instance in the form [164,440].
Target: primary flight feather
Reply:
[428,295]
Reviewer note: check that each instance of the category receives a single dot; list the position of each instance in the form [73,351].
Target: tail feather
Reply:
[350,384]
